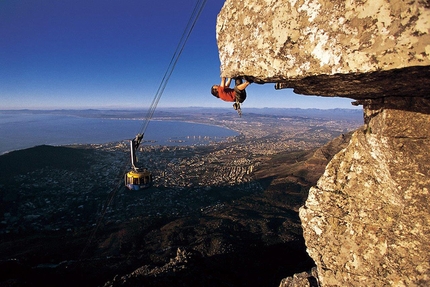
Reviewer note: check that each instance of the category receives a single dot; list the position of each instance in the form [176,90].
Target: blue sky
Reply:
[114,53]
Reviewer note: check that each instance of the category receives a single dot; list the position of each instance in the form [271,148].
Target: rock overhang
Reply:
[354,49]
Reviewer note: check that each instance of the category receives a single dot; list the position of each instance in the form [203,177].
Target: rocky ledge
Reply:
[366,221]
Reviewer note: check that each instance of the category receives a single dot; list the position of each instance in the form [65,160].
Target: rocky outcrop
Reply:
[301,279]
[183,262]
[366,223]
[356,49]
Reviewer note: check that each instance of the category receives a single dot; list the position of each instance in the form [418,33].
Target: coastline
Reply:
[65,129]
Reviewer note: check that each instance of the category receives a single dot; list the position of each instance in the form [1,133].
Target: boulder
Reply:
[355,49]
[367,221]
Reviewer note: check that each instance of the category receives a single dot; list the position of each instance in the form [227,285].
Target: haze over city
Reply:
[113,54]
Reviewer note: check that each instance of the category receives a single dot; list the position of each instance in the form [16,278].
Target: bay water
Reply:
[19,130]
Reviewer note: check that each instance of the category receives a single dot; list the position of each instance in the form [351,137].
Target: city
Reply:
[188,170]
[74,191]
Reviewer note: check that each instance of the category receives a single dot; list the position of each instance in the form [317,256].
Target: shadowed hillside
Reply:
[22,161]
[240,235]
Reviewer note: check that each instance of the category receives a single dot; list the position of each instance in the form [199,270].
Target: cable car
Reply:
[137,178]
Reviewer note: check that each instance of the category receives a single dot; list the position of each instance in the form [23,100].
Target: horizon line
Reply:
[161,108]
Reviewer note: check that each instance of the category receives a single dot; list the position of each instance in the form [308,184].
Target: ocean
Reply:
[20,130]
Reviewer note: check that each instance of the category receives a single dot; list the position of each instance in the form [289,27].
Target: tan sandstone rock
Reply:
[367,222]
[353,48]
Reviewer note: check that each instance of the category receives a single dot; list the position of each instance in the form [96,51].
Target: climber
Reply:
[237,94]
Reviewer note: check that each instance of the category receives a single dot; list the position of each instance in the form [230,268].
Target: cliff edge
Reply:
[367,221]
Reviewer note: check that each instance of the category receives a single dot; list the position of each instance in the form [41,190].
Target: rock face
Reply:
[367,221]
[356,49]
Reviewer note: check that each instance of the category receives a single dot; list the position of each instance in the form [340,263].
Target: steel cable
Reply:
[174,60]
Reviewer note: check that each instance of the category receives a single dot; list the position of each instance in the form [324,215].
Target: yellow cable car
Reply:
[137,178]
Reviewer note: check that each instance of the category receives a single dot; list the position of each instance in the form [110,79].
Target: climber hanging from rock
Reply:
[236,95]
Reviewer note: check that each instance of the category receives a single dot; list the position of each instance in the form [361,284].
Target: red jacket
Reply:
[226,94]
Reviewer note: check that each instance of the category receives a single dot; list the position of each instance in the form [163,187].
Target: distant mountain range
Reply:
[353,113]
